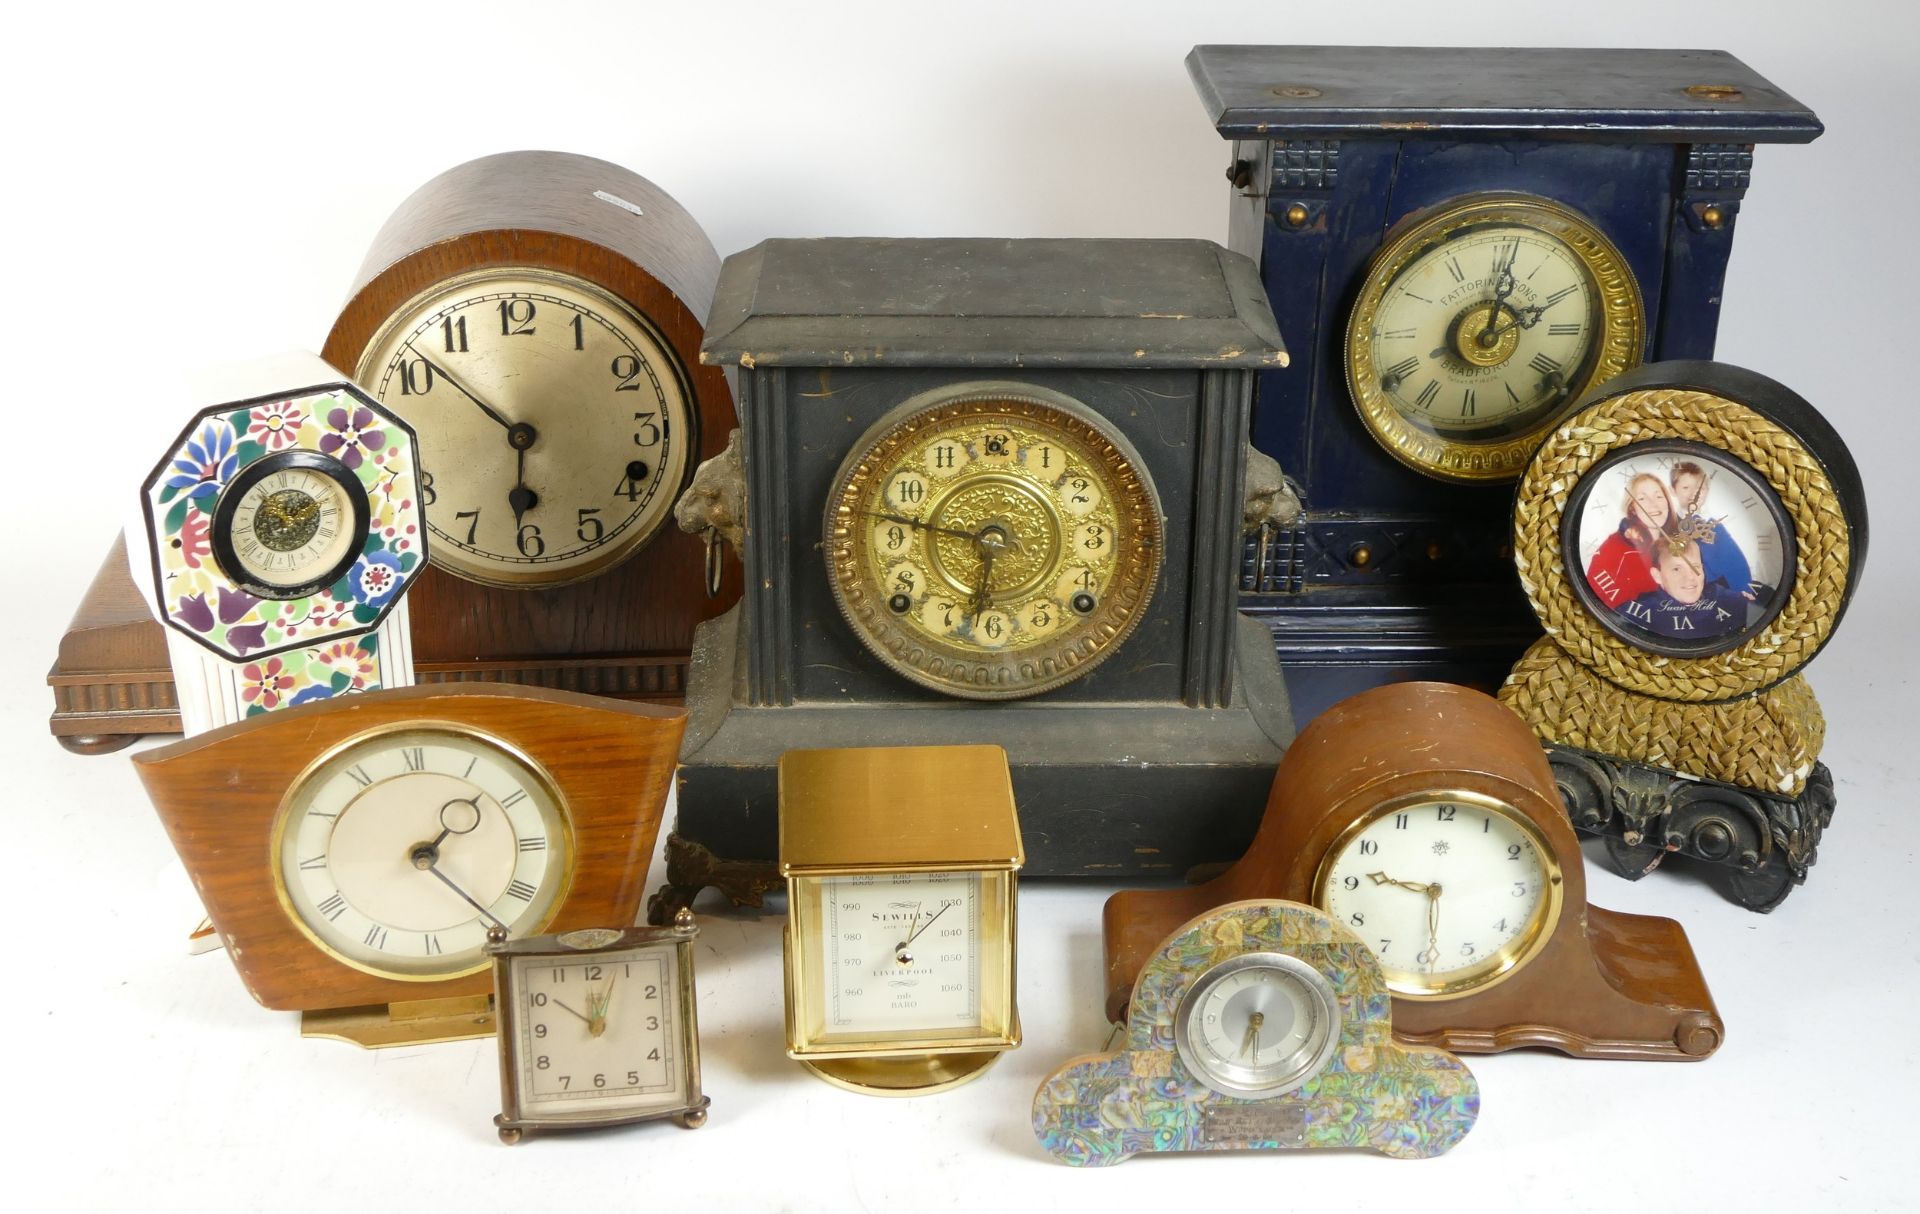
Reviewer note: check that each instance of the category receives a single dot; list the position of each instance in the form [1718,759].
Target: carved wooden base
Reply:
[112,683]
[692,868]
[1759,845]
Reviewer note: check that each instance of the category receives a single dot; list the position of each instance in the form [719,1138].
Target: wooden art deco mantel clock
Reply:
[1458,242]
[993,494]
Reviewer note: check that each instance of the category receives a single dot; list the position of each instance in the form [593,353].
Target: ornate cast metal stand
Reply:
[1759,845]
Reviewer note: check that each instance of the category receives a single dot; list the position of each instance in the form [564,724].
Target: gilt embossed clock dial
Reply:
[290,524]
[992,546]
[1452,890]
[556,423]
[1478,324]
[399,852]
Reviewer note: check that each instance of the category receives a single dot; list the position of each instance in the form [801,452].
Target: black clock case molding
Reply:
[1156,760]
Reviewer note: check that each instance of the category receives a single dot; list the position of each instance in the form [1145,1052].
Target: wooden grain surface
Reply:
[217,795]
[538,210]
[1605,985]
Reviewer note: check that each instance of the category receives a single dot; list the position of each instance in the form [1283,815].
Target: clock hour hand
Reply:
[520,498]
[1418,887]
[1524,318]
[978,600]
[588,1020]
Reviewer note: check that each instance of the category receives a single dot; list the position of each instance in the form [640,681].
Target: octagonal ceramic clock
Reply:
[281,530]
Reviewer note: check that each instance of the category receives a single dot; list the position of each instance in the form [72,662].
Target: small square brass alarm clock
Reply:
[900,866]
[597,1028]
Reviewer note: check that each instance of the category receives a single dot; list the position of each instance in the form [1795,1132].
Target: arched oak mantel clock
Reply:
[993,493]
[1458,242]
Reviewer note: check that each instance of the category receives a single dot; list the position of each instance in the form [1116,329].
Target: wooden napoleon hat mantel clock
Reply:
[1457,243]
[993,493]
[1424,817]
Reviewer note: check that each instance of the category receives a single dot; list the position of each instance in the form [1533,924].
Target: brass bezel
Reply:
[1821,542]
[1617,347]
[1508,961]
[513,1121]
[617,552]
[973,673]
[999,1025]
[300,782]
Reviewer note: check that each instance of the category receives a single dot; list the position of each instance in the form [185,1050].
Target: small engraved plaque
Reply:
[1283,1124]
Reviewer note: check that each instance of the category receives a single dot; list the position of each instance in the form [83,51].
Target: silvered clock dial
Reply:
[556,423]
[399,852]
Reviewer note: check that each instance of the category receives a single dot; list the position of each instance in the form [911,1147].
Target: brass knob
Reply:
[1713,216]
[1297,215]
[1359,556]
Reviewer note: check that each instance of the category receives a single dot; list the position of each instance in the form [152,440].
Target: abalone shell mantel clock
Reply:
[1458,242]
[993,494]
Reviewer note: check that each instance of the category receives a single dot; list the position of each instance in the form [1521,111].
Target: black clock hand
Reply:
[460,387]
[1524,318]
[928,923]
[563,1007]
[434,868]
[1502,287]
[520,498]
[916,523]
[977,601]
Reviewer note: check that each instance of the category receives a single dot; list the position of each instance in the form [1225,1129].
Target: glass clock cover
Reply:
[1452,890]
[557,421]
[992,544]
[1478,323]
[397,853]
[1681,548]
[285,522]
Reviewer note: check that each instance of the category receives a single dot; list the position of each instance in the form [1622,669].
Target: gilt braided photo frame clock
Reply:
[1785,479]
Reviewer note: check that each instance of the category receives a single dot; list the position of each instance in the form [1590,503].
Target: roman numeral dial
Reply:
[399,853]
[1478,323]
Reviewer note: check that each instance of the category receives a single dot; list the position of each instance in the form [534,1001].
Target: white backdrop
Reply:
[194,184]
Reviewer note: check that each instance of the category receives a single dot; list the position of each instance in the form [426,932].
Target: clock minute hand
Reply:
[461,388]
[916,523]
[465,896]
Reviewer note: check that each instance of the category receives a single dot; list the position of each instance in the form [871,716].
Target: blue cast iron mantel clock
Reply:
[1457,243]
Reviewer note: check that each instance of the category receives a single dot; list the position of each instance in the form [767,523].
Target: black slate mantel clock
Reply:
[993,493]
[1457,243]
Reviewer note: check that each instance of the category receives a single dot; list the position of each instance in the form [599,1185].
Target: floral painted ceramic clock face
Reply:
[290,524]
[994,545]
[398,853]
[1679,548]
[284,523]
[556,423]
[1478,324]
